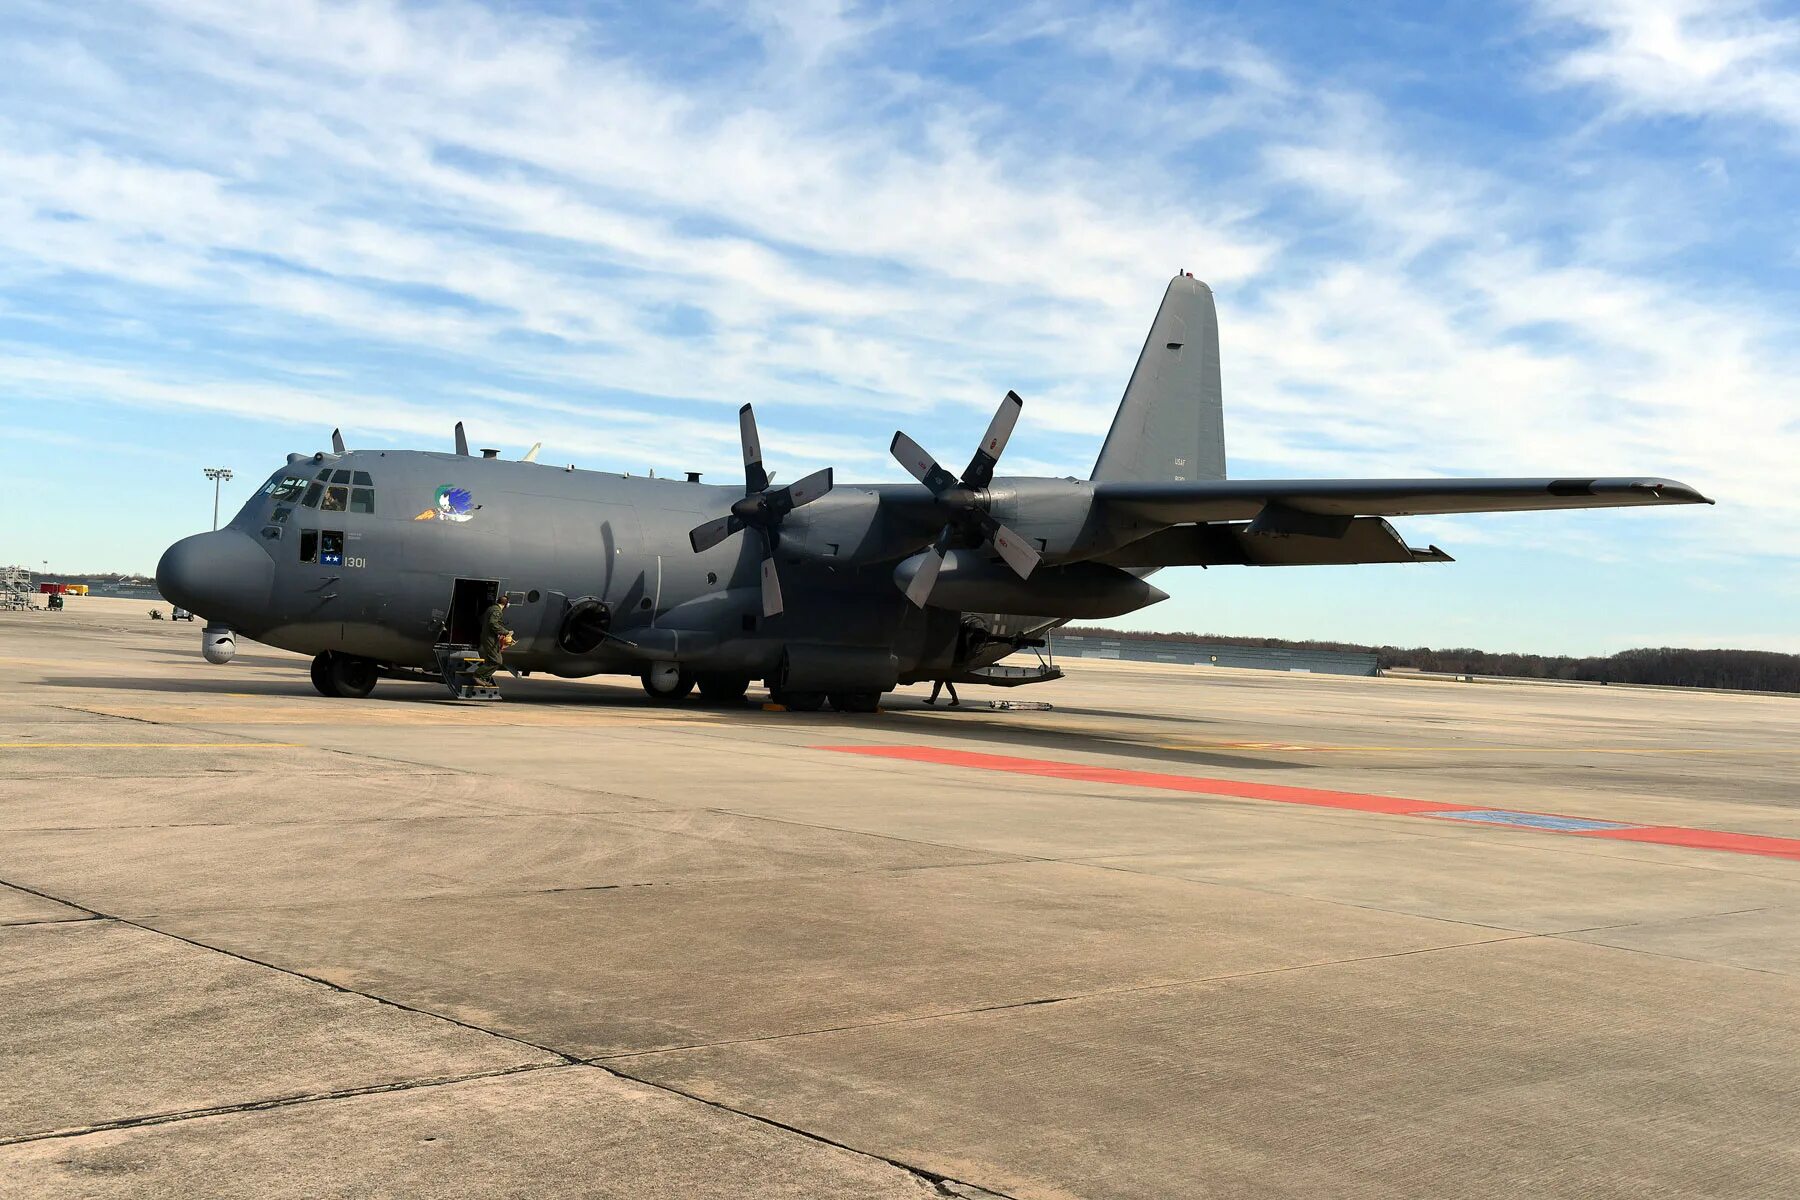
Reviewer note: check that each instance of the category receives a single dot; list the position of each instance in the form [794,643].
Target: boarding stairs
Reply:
[457,666]
[15,588]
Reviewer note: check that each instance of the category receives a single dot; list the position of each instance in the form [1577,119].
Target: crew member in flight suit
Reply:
[495,637]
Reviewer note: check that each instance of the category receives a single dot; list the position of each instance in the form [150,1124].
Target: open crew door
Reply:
[469,598]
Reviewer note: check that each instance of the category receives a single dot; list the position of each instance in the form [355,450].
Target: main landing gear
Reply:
[668,683]
[344,676]
[844,702]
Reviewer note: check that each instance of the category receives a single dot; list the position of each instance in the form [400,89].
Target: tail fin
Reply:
[1171,423]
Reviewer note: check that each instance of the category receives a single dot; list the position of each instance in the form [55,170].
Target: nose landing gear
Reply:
[344,676]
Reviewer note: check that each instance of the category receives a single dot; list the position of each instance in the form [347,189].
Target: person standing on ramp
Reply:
[495,638]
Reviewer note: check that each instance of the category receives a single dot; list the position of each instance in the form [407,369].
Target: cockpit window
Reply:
[280,515]
[286,487]
[337,499]
[339,477]
[313,492]
[361,479]
[362,499]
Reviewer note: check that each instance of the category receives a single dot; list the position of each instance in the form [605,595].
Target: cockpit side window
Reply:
[362,499]
[339,477]
[337,498]
[309,545]
[313,492]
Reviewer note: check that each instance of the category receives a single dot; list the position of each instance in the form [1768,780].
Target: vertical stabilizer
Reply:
[1171,423]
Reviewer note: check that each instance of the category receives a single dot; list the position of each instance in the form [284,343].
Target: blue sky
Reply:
[1522,238]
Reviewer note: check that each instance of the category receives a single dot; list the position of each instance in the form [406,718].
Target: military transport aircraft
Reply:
[373,561]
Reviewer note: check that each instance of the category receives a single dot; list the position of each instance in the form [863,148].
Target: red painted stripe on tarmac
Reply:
[1664,835]
[1703,839]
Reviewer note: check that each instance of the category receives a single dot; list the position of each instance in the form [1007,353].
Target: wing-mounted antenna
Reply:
[462,441]
[531,454]
[337,442]
[966,498]
[763,509]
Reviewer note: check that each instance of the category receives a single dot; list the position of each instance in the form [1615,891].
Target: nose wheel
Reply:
[344,676]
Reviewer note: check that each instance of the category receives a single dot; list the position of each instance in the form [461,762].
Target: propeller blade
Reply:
[980,472]
[925,578]
[462,441]
[771,583]
[755,478]
[531,454]
[1018,553]
[337,441]
[805,491]
[922,466]
[705,537]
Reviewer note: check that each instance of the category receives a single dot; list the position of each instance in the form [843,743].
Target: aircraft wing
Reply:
[1324,506]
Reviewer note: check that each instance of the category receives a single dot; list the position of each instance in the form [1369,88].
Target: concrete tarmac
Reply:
[1195,932]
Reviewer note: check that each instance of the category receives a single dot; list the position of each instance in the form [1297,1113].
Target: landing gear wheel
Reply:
[856,702]
[353,676]
[344,676]
[723,689]
[666,686]
[321,674]
[799,701]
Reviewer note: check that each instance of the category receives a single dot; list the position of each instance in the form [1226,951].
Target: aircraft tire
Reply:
[856,702]
[351,675]
[799,701]
[684,683]
[321,674]
[723,689]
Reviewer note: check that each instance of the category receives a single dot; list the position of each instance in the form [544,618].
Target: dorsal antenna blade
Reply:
[462,441]
[337,441]
[531,454]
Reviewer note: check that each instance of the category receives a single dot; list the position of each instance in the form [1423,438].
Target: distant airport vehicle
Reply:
[380,562]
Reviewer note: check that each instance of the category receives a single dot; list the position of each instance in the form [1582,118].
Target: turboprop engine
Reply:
[218,644]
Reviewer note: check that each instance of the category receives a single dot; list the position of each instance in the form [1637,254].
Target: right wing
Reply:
[1285,505]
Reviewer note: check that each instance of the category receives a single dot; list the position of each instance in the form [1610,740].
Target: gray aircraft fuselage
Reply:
[552,536]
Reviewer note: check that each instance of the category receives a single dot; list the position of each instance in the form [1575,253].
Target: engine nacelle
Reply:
[218,644]
[969,582]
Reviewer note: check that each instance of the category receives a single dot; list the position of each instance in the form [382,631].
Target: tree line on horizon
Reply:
[1663,666]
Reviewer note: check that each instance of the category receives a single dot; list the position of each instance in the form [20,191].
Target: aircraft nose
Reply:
[222,576]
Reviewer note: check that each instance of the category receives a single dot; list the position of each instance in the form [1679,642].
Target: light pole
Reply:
[218,475]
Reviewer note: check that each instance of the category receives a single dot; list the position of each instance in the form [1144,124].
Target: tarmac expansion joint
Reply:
[944,1185]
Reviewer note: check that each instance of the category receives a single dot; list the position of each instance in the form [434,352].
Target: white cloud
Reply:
[1686,57]
[572,242]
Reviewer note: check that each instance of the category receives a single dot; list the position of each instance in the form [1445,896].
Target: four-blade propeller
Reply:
[970,522]
[761,509]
